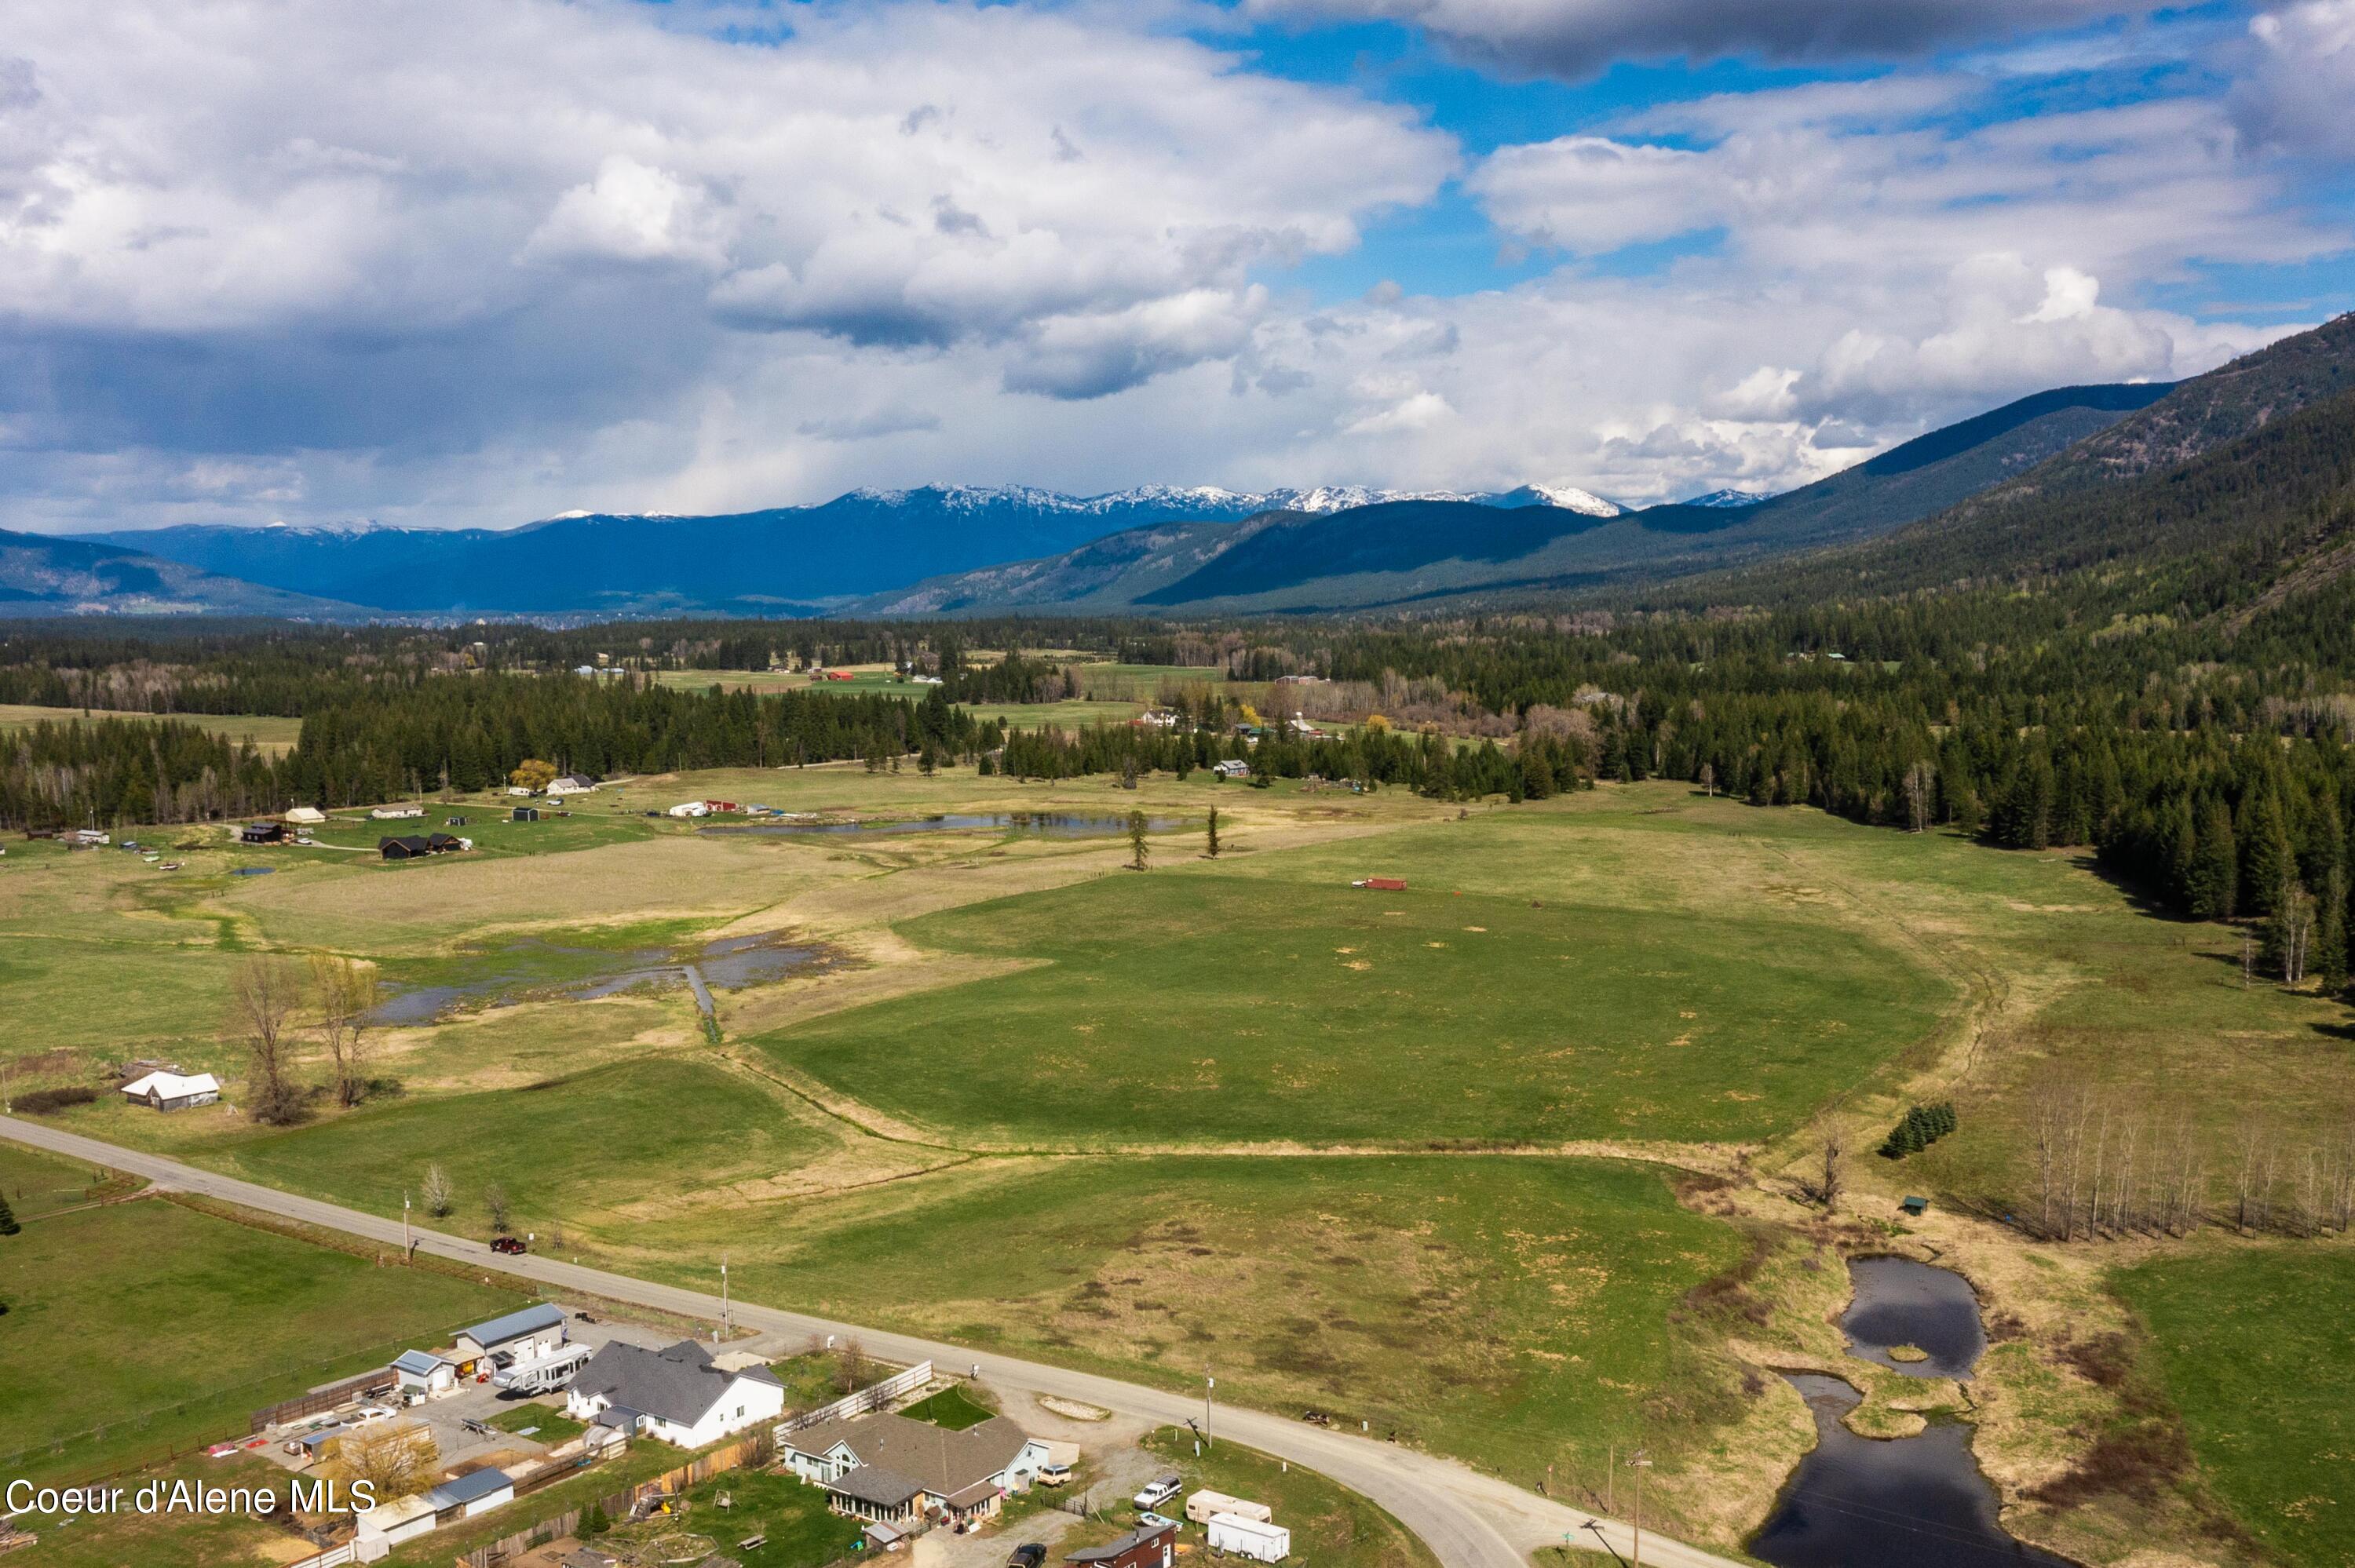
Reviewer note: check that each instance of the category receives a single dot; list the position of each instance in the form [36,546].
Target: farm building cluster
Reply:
[876,1455]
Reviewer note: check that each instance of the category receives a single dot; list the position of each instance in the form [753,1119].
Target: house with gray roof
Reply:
[678,1393]
[891,1470]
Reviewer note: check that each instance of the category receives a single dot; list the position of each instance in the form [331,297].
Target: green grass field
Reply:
[2256,1349]
[271,735]
[36,1184]
[568,1151]
[1190,1006]
[144,1325]
[1330,1525]
[1512,1309]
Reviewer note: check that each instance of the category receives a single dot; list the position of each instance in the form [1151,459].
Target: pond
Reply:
[530,968]
[1045,824]
[1902,1302]
[1921,1501]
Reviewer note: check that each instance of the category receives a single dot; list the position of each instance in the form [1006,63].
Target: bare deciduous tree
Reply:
[347,993]
[398,1461]
[263,993]
[1709,780]
[495,1204]
[850,1364]
[436,1191]
[1920,787]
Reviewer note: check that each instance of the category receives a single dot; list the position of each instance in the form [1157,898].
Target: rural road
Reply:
[1467,1518]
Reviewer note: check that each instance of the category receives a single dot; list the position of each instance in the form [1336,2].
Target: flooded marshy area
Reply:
[1921,1500]
[534,968]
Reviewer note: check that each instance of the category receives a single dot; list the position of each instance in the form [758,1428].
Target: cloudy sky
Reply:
[432,262]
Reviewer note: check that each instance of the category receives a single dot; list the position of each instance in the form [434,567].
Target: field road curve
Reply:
[1467,1518]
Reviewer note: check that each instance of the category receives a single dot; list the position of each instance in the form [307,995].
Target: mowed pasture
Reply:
[138,1326]
[2256,1349]
[1192,1006]
[1514,1309]
[569,1151]
[271,735]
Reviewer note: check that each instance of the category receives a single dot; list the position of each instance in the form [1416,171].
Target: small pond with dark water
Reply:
[1045,824]
[1862,1502]
[1922,1500]
[1902,1302]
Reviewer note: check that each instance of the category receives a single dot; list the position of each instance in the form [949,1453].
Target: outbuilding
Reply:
[476,1491]
[1230,768]
[263,833]
[425,1372]
[391,1522]
[1147,1546]
[527,813]
[690,809]
[529,1332]
[172,1091]
[411,846]
[307,816]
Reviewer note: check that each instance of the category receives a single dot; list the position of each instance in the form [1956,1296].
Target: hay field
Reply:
[271,735]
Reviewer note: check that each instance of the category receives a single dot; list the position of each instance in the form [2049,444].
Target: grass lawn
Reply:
[1191,1005]
[36,1184]
[177,1539]
[794,1516]
[2256,1349]
[142,1326]
[552,1425]
[809,1379]
[568,1150]
[1331,1526]
[1510,1309]
[951,1408]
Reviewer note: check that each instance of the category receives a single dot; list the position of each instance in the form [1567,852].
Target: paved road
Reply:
[1469,1519]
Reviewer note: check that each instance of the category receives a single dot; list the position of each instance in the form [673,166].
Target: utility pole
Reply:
[1639,1463]
[726,1314]
[404,1227]
[1209,1383]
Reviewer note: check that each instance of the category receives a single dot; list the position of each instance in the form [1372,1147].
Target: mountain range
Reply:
[787,560]
[2006,491]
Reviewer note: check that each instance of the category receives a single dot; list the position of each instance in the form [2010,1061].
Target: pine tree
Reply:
[1213,832]
[2214,882]
[596,1524]
[2265,860]
[8,1226]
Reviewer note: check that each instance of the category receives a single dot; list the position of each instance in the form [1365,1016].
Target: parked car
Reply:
[1029,1554]
[1160,1489]
[368,1413]
[1149,1520]
[509,1245]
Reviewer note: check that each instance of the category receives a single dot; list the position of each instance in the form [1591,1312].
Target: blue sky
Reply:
[437,264]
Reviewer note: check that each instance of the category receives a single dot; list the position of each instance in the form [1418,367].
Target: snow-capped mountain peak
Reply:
[1570,498]
[1729,498]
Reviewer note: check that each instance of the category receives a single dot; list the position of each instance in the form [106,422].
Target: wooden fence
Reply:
[325,1397]
[874,1396]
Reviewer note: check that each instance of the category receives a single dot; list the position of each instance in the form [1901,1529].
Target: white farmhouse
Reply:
[678,1395]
